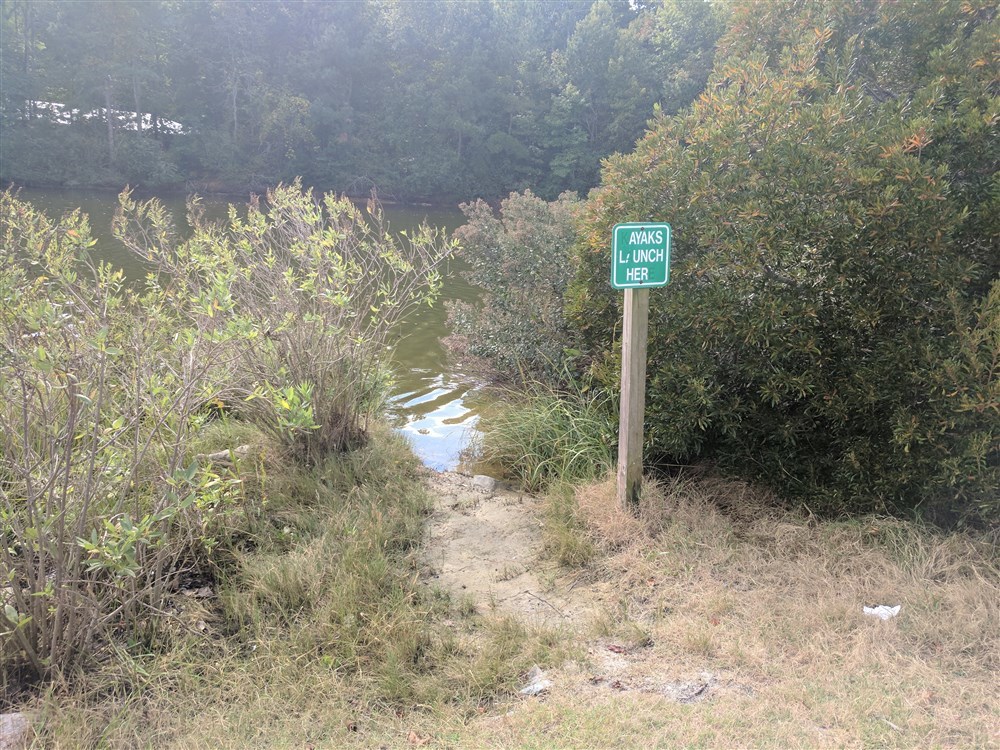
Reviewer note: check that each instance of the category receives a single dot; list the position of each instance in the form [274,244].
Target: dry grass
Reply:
[320,634]
[709,586]
[271,695]
[769,604]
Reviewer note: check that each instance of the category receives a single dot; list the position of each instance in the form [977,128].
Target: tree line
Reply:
[425,101]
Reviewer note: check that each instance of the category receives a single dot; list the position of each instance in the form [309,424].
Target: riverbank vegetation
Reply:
[111,496]
[197,495]
[517,330]
[539,437]
[316,631]
[831,329]
[210,540]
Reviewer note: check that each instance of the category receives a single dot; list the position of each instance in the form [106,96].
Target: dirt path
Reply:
[486,544]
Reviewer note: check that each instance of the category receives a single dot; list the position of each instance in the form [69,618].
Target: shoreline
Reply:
[224,192]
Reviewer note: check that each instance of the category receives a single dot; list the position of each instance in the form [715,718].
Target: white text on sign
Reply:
[640,256]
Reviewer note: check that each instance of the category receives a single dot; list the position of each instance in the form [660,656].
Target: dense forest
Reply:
[439,101]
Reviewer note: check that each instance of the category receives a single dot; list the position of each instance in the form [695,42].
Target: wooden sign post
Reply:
[635,329]
[640,260]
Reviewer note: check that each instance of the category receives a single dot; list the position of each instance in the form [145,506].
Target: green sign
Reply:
[640,256]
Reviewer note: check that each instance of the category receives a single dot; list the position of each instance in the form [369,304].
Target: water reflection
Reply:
[438,416]
[434,403]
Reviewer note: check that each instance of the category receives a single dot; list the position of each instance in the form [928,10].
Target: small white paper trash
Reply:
[882,611]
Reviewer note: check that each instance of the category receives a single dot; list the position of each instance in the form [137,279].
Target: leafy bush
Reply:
[141,160]
[101,504]
[522,262]
[835,209]
[283,319]
[309,293]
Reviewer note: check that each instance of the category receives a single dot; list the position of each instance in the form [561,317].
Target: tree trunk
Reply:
[135,103]
[235,120]
[109,116]
[29,42]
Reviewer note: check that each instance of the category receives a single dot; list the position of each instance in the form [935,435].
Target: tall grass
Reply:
[541,437]
[322,633]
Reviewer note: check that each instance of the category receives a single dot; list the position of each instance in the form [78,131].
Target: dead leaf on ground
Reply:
[417,739]
[616,649]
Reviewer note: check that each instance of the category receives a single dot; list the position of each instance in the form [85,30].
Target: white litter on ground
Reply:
[882,611]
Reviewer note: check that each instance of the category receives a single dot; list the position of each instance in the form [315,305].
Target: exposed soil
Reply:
[487,545]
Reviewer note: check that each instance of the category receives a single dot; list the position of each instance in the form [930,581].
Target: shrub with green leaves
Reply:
[834,197]
[522,261]
[282,318]
[101,389]
[309,292]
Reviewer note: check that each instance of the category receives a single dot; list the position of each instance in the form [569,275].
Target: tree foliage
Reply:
[431,100]
[831,323]
[521,259]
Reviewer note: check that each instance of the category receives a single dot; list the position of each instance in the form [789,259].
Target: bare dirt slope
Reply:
[486,545]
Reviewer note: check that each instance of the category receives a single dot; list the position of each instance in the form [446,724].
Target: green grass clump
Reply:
[541,437]
[566,539]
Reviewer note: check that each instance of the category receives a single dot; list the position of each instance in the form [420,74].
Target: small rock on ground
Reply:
[14,731]
[483,482]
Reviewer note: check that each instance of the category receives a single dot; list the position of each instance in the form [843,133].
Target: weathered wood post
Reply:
[635,330]
[640,260]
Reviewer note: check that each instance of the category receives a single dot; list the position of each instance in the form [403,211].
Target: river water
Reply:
[434,403]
